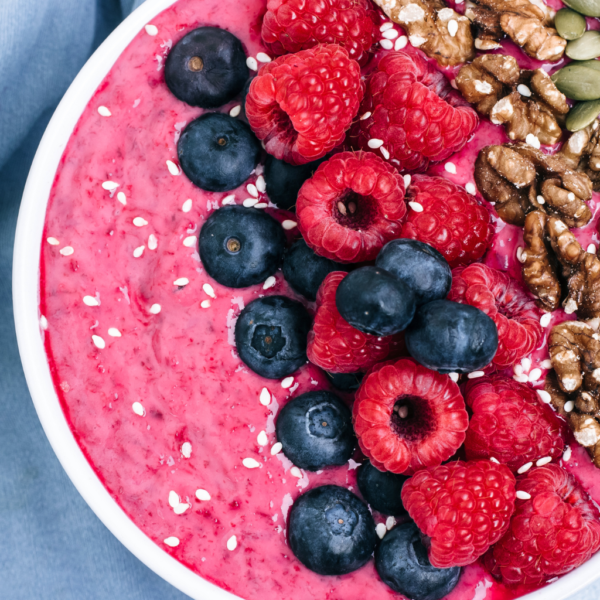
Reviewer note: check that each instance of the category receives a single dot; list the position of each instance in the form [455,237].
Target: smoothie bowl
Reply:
[166,350]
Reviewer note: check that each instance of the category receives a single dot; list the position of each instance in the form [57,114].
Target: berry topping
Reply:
[381,489]
[351,207]
[402,563]
[464,507]
[293,25]
[375,302]
[510,424]
[407,417]
[315,430]
[270,336]
[331,531]
[284,180]
[451,338]
[420,266]
[504,300]
[304,270]
[241,246]
[301,104]
[412,110]
[336,346]
[217,152]
[345,381]
[447,218]
[555,528]
[206,68]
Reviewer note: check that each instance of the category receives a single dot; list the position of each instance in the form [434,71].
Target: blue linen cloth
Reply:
[52,547]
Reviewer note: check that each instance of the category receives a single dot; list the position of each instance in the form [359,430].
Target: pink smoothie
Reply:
[140,339]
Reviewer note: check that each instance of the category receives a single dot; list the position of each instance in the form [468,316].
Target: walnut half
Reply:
[582,152]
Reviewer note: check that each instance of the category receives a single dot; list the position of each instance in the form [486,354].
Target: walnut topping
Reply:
[439,31]
[582,152]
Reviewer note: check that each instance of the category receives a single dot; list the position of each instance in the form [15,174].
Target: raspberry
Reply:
[407,417]
[552,532]
[504,300]
[351,207]
[301,104]
[464,507]
[334,345]
[413,110]
[294,25]
[451,221]
[510,424]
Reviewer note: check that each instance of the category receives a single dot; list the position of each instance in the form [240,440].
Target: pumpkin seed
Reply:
[578,82]
[585,48]
[569,24]
[590,8]
[590,64]
[582,115]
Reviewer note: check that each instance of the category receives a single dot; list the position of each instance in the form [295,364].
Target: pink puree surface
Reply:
[181,364]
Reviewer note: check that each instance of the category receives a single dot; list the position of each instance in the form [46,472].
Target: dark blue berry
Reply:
[206,68]
[402,563]
[381,489]
[304,270]
[315,430]
[449,337]
[270,336]
[375,302]
[217,152]
[422,268]
[345,381]
[284,181]
[331,531]
[241,246]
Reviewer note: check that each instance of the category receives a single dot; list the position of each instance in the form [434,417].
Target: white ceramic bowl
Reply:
[27,318]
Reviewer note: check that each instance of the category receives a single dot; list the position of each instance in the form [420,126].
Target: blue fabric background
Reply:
[52,546]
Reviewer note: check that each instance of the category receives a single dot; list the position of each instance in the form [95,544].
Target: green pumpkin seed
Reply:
[590,64]
[591,8]
[569,24]
[578,82]
[585,48]
[582,115]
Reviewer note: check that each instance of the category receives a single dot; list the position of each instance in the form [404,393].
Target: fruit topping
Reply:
[402,563]
[510,424]
[217,152]
[555,528]
[315,430]
[375,302]
[206,68]
[411,115]
[301,104]
[381,489]
[444,216]
[504,300]
[305,271]
[452,338]
[420,266]
[351,207]
[331,531]
[270,336]
[407,417]
[294,25]
[464,507]
[241,246]
[345,381]
[336,346]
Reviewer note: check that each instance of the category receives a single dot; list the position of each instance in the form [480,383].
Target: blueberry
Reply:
[345,381]
[206,68]
[217,152]
[241,246]
[449,337]
[284,181]
[331,531]
[381,489]
[402,563]
[270,336]
[375,302]
[422,268]
[304,270]
[315,430]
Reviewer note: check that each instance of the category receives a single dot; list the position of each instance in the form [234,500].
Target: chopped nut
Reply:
[587,402]
[582,153]
[558,398]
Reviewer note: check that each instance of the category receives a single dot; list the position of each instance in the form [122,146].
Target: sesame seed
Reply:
[152,242]
[261,184]
[476,374]
[591,249]
[452,27]
[236,110]
[251,63]
[543,461]
[186,449]
[52,241]
[205,304]
[170,541]
[208,290]
[173,168]
[567,454]
[532,141]
[494,460]
[103,111]
[545,319]
[407,180]
[181,508]
[122,198]
[155,309]
[450,168]
[109,186]
[287,224]
[416,206]
[140,222]
[228,200]
[521,378]
[262,439]
[524,90]
[138,409]
[232,543]
[375,143]
[250,463]
[98,342]
[43,322]
[526,362]
[174,499]
[287,383]
[250,202]
[114,332]
[534,375]
[569,406]
[521,495]
[181,281]
[518,369]
[276,448]
[365,116]
[401,42]
[269,282]
[390,34]
[187,205]
[470,187]
[521,254]
[66,251]
[265,397]
[545,397]
[524,468]
[190,241]
[540,199]
[453,376]
[386,44]
[138,251]
[252,190]
[90,301]
[390,522]
[381,530]
[151,29]
[546,364]
[387,25]
[296,472]
[261,205]
[263,58]
[202,495]
[385,153]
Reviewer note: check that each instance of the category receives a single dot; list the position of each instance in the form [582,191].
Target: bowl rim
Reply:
[26,295]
